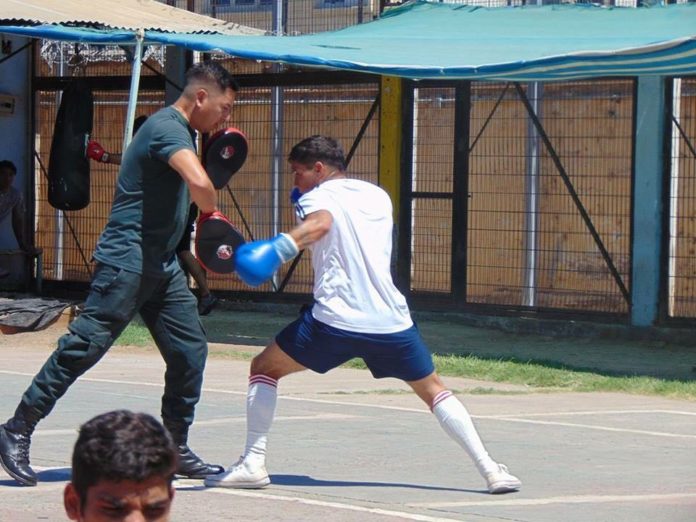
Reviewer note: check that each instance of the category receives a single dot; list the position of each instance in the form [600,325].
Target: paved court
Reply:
[348,448]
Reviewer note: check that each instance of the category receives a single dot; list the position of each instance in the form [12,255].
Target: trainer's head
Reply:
[8,171]
[123,465]
[208,95]
[314,160]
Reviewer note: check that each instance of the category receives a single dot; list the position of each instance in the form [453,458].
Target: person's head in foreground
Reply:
[123,466]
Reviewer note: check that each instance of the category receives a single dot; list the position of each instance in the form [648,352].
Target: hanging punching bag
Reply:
[68,166]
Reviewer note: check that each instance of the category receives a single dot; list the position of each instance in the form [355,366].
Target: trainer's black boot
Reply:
[15,439]
[190,464]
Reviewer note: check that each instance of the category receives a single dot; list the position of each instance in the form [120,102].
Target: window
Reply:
[222,6]
[340,3]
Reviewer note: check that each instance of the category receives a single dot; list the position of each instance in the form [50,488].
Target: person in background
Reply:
[12,205]
[206,300]
[123,465]
[96,152]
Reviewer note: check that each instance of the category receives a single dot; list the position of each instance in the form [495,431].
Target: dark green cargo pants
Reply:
[169,310]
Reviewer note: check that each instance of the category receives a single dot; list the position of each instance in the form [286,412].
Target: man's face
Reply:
[125,501]
[306,177]
[6,178]
[213,108]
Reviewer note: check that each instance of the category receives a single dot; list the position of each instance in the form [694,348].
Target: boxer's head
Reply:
[314,160]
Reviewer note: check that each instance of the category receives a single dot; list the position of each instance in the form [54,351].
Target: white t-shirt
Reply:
[353,287]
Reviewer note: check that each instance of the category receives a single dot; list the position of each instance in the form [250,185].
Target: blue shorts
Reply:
[321,347]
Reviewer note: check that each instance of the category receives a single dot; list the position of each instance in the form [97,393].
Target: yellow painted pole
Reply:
[390,137]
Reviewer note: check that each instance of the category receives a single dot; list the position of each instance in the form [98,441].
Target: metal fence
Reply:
[544,197]
[681,269]
[518,196]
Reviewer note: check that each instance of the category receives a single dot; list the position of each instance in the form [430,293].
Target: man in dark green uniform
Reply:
[137,272]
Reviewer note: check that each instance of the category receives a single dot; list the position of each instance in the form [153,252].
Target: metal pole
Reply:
[135,83]
[674,197]
[276,135]
[532,198]
[59,216]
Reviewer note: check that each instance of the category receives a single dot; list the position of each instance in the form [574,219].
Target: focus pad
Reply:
[216,242]
[225,153]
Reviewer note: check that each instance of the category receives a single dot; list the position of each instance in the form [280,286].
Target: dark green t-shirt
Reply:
[148,215]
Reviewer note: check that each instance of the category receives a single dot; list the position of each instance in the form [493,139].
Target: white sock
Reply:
[261,403]
[456,421]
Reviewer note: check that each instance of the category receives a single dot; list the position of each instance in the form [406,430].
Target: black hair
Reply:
[209,71]
[122,445]
[319,148]
[7,164]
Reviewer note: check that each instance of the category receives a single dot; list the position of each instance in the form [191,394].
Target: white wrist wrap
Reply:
[286,247]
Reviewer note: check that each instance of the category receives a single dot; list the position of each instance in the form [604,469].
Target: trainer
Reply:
[137,272]
[358,312]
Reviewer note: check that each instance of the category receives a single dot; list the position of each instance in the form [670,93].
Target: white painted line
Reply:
[219,421]
[577,499]
[602,428]
[591,412]
[506,418]
[404,515]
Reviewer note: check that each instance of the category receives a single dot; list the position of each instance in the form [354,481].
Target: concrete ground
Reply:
[345,447]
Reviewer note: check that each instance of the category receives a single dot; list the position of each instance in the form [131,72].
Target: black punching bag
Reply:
[68,167]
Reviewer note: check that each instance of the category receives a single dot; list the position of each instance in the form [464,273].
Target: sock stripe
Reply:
[444,394]
[262,379]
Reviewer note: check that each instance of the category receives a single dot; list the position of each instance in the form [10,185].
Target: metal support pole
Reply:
[135,83]
[531,213]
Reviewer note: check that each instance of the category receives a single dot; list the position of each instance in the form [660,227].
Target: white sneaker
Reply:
[501,481]
[241,475]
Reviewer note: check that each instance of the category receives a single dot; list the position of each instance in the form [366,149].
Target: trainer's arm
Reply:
[315,226]
[203,194]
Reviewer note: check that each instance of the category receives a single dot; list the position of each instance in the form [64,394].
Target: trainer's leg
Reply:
[109,307]
[456,421]
[172,318]
[266,369]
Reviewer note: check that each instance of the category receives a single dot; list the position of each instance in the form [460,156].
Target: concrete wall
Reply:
[14,129]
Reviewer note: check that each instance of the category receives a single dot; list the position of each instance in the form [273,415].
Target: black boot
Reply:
[190,464]
[15,439]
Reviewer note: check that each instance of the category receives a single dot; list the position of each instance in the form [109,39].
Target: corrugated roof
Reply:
[116,14]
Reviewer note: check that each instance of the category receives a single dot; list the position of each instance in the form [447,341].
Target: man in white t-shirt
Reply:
[357,311]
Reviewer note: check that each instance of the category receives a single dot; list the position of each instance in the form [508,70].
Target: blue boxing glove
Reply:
[295,195]
[257,261]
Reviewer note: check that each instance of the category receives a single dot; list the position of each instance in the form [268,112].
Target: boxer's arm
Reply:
[256,262]
[203,194]
[314,226]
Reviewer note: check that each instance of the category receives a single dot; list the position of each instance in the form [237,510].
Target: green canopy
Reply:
[424,39]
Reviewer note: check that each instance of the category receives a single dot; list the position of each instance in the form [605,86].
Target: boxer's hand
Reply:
[96,152]
[256,262]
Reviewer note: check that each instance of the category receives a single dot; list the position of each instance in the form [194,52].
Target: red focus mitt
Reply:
[216,242]
[225,153]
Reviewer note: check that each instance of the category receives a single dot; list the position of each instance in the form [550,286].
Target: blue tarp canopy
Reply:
[432,40]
